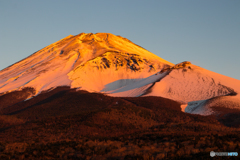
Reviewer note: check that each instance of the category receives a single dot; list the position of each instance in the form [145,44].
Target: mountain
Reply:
[86,61]
[115,66]
[100,96]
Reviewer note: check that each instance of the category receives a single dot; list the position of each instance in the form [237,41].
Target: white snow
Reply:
[198,107]
[210,106]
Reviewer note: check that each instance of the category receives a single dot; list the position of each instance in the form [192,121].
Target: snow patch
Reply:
[198,107]
[211,106]
[137,88]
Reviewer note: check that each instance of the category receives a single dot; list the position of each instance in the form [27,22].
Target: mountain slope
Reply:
[192,83]
[195,87]
[183,82]
[87,61]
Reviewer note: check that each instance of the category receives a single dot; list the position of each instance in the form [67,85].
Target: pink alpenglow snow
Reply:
[115,66]
[85,61]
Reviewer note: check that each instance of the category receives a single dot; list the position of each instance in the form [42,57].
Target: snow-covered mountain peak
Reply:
[88,61]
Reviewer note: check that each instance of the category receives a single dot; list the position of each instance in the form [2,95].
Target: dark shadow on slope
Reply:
[154,103]
[230,119]
[14,97]
[228,116]
[59,93]
[21,104]
[59,102]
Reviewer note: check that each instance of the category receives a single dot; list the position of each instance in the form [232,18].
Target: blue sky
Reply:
[205,32]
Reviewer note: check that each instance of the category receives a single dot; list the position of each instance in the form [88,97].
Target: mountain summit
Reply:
[86,61]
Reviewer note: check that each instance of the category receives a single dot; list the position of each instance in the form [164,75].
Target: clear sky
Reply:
[205,32]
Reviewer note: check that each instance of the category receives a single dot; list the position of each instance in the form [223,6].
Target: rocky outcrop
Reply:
[177,66]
